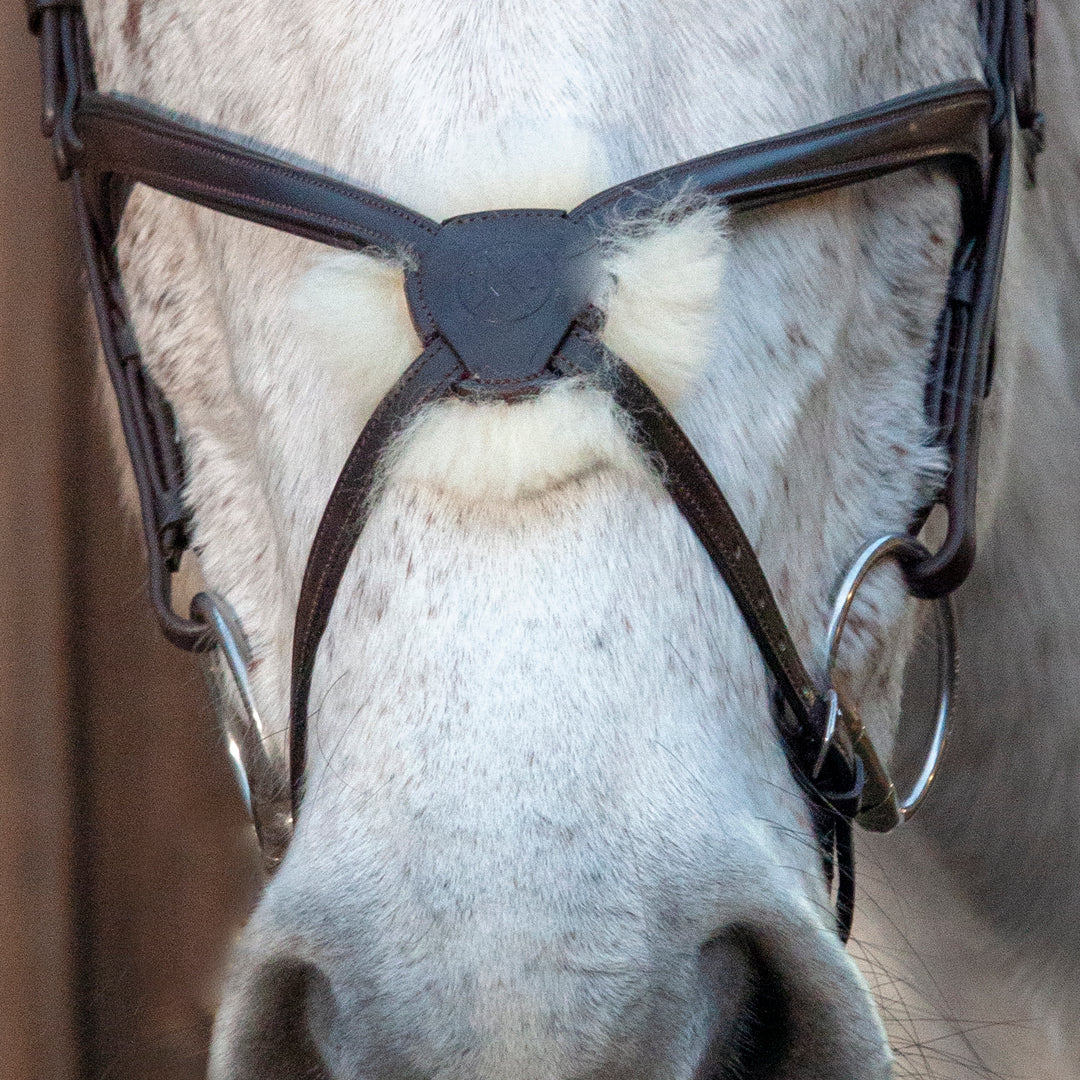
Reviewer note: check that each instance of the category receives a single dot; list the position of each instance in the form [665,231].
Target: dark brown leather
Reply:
[431,376]
[149,432]
[697,494]
[139,143]
[36,9]
[801,716]
[834,785]
[502,287]
[962,367]
[959,378]
[943,125]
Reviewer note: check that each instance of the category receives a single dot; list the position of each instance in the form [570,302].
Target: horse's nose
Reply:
[779,1012]
[274,1034]
[750,1006]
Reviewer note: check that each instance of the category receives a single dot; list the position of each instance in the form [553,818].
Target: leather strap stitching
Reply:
[431,376]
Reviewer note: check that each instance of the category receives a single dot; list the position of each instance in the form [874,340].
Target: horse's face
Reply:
[549,830]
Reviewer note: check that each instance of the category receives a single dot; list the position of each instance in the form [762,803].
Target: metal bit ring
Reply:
[263,781]
[904,549]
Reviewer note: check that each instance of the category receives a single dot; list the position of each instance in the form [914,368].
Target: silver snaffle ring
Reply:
[903,548]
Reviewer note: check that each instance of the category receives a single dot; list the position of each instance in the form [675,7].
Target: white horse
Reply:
[549,831]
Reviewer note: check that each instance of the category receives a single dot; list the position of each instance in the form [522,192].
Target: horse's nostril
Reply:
[784,1009]
[288,1002]
[762,1033]
[751,1036]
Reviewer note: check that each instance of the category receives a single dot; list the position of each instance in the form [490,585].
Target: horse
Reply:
[547,829]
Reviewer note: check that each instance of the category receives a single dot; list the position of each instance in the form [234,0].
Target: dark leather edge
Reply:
[431,376]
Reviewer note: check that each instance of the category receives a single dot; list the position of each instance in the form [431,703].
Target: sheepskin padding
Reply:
[660,291]
[666,276]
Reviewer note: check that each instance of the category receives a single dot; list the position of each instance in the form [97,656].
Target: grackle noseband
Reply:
[537,326]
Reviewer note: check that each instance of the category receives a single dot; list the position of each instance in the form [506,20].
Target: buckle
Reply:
[58,24]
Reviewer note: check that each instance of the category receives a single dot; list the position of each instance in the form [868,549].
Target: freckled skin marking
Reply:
[133,22]
[796,337]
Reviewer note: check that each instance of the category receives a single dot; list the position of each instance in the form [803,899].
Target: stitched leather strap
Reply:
[140,144]
[835,794]
[696,493]
[429,377]
[800,716]
[944,125]
[800,712]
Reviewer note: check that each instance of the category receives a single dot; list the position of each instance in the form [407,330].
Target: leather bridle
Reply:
[482,343]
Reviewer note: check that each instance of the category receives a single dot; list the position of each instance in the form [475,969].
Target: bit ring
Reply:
[263,781]
[904,549]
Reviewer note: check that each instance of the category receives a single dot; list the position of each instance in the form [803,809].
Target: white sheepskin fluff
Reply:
[352,308]
[665,297]
[496,451]
[661,295]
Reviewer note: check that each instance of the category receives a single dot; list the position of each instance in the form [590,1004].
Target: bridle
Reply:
[541,326]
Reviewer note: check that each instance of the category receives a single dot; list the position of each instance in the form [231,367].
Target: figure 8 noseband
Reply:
[503,304]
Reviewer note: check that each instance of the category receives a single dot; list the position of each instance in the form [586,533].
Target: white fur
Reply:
[502,452]
[556,165]
[665,300]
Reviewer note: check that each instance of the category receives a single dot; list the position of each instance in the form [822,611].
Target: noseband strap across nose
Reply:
[835,785]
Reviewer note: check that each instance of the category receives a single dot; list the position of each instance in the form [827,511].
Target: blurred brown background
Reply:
[125,862]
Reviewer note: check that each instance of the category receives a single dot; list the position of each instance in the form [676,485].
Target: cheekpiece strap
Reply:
[35,10]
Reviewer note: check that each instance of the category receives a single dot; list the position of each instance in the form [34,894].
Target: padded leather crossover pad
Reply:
[502,288]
